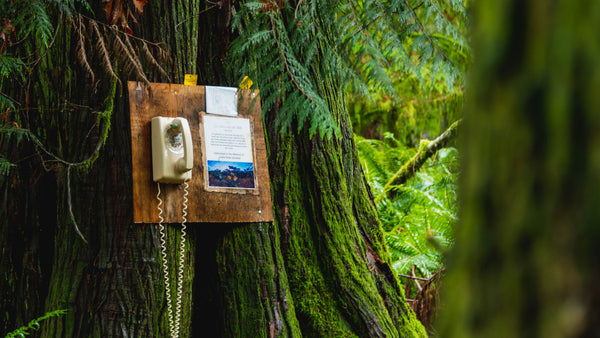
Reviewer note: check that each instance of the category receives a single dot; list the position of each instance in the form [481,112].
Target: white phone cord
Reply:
[181,257]
[174,325]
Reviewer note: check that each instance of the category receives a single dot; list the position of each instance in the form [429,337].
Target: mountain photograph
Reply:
[231,174]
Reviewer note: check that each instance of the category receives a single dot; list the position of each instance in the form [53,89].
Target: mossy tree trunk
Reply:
[112,285]
[321,269]
[334,254]
[526,258]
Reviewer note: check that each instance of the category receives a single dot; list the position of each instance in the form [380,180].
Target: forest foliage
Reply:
[392,126]
[367,45]
[418,221]
[34,324]
[400,66]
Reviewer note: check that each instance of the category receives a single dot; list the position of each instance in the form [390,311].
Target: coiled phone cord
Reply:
[174,323]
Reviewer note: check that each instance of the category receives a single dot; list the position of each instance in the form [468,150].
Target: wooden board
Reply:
[204,206]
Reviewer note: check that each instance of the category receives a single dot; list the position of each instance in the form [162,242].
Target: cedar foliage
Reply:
[290,51]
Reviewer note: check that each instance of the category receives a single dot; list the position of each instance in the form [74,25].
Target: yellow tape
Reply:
[190,79]
[246,83]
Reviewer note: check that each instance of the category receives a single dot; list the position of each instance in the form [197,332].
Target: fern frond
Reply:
[150,59]
[11,66]
[128,56]
[103,52]
[133,51]
[418,221]
[80,48]
[5,166]
[34,324]
[34,19]
[365,46]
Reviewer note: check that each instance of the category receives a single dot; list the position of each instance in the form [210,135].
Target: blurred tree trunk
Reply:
[321,269]
[525,261]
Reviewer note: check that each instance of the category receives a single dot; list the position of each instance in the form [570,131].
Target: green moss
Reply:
[329,217]
[103,119]
[253,284]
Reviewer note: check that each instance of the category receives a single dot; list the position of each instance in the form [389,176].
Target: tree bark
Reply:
[332,243]
[525,259]
[112,286]
[321,269]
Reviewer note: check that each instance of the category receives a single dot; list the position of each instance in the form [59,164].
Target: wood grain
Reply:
[204,206]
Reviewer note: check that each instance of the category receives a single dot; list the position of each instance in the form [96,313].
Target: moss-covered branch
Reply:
[426,150]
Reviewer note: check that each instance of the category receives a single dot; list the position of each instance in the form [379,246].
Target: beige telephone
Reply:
[172,162]
[172,151]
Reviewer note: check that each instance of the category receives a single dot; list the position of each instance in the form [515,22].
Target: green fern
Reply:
[418,222]
[5,166]
[19,134]
[34,324]
[296,54]
[32,17]
[7,133]
[11,66]
[381,158]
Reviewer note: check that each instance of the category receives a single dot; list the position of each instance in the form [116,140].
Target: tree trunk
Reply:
[525,263]
[335,257]
[321,269]
[111,286]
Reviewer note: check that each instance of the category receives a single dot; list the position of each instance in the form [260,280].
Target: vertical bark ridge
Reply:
[25,228]
[253,284]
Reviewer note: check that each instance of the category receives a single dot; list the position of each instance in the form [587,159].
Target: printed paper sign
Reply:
[229,154]
[221,100]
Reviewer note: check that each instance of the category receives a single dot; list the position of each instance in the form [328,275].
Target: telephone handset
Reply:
[172,151]
[172,162]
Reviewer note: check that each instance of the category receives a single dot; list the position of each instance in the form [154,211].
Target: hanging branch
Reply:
[104,54]
[70,205]
[114,45]
[152,60]
[88,161]
[81,56]
[128,55]
[426,150]
[285,62]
